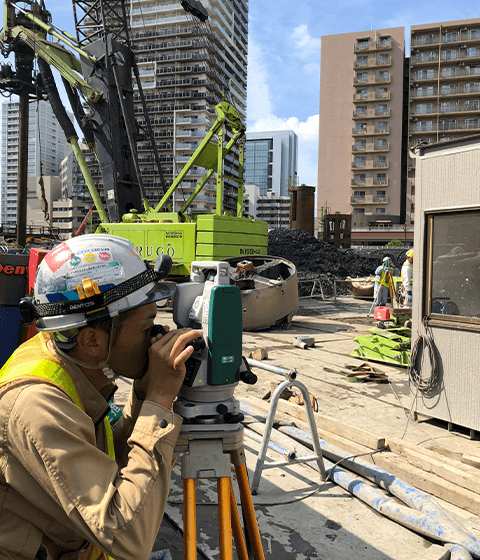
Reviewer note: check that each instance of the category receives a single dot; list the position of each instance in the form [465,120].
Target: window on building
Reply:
[360,127]
[380,179]
[361,61]
[447,106]
[474,33]
[383,76]
[448,89]
[362,44]
[426,74]
[359,179]
[382,126]
[363,93]
[449,72]
[383,58]
[450,54]
[473,51]
[361,110]
[471,123]
[382,110]
[359,161]
[422,109]
[448,124]
[381,161]
[453,291]
[360,145]
[423,126]
[424,91]
[382,143]
[384,42]
[427,56]
[359,194]
[381,194]
[473,87]
[449,37]
[361,77]
[380,211]
[472,105]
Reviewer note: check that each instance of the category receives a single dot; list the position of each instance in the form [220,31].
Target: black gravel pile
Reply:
[316,259]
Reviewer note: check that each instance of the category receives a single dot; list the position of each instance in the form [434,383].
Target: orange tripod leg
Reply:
[249,512]
[237,528]
[224,519]
[189,520]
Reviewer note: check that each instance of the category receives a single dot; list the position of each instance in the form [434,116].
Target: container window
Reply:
[453,266]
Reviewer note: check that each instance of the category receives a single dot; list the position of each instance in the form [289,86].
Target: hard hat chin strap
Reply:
[103,365]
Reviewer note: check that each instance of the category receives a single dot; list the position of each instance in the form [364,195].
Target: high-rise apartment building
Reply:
[360,136]
[271,161]
[375,104]
[183,81]
[444,87]
[46,146]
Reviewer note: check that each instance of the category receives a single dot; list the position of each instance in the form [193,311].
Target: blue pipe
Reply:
[420,514]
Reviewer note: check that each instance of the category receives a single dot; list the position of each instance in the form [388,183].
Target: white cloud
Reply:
[261,117]
[304,42]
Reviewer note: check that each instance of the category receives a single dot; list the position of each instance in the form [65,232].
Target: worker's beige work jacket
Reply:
[59,488]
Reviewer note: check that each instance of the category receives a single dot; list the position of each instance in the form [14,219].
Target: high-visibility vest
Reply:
[386,278]
[32,360]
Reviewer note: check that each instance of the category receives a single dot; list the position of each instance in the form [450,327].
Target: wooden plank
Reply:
[429,461]
[401,468]
[324,423]
[471,460]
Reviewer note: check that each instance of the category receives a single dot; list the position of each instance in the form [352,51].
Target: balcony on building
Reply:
[364,146]
[367,44]
[370,129]
[371,96]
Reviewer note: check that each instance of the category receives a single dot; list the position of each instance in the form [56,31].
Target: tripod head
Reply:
[209,302]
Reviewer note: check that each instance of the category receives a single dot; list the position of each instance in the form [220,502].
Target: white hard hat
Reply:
[92,277]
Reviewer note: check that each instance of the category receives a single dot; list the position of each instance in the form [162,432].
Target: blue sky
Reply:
[284,57]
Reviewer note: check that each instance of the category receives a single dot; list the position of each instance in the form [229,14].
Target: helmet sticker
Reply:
[104,271]
[58,256]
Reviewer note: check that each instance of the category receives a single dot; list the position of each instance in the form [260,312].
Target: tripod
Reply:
[207,451]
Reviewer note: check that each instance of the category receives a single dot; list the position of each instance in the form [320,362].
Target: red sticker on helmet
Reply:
[58,256]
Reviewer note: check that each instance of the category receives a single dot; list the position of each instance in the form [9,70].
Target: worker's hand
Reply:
[166,366]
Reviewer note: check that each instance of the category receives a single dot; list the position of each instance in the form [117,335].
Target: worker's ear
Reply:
[93,342]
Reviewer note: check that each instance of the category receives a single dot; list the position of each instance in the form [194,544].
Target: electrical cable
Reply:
[300,498]
[424,345]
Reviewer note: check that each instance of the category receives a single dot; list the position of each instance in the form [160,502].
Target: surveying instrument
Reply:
[211,438]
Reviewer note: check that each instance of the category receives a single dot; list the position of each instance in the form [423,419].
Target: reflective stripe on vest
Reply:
[52,372]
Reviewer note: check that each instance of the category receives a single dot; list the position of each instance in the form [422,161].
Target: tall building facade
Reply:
[374,109]
[361,113]
[46,146]
[183,81]
[271,161]
[444,87]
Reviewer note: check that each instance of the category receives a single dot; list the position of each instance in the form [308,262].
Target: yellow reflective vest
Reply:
[26,364]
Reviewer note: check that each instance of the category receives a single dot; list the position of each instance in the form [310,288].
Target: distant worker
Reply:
[407,279]
[383,281]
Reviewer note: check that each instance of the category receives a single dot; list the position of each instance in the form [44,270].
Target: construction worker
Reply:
[407,279]
[70,487]
[383,281]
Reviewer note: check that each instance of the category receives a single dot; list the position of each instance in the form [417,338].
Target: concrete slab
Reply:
[310,520]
